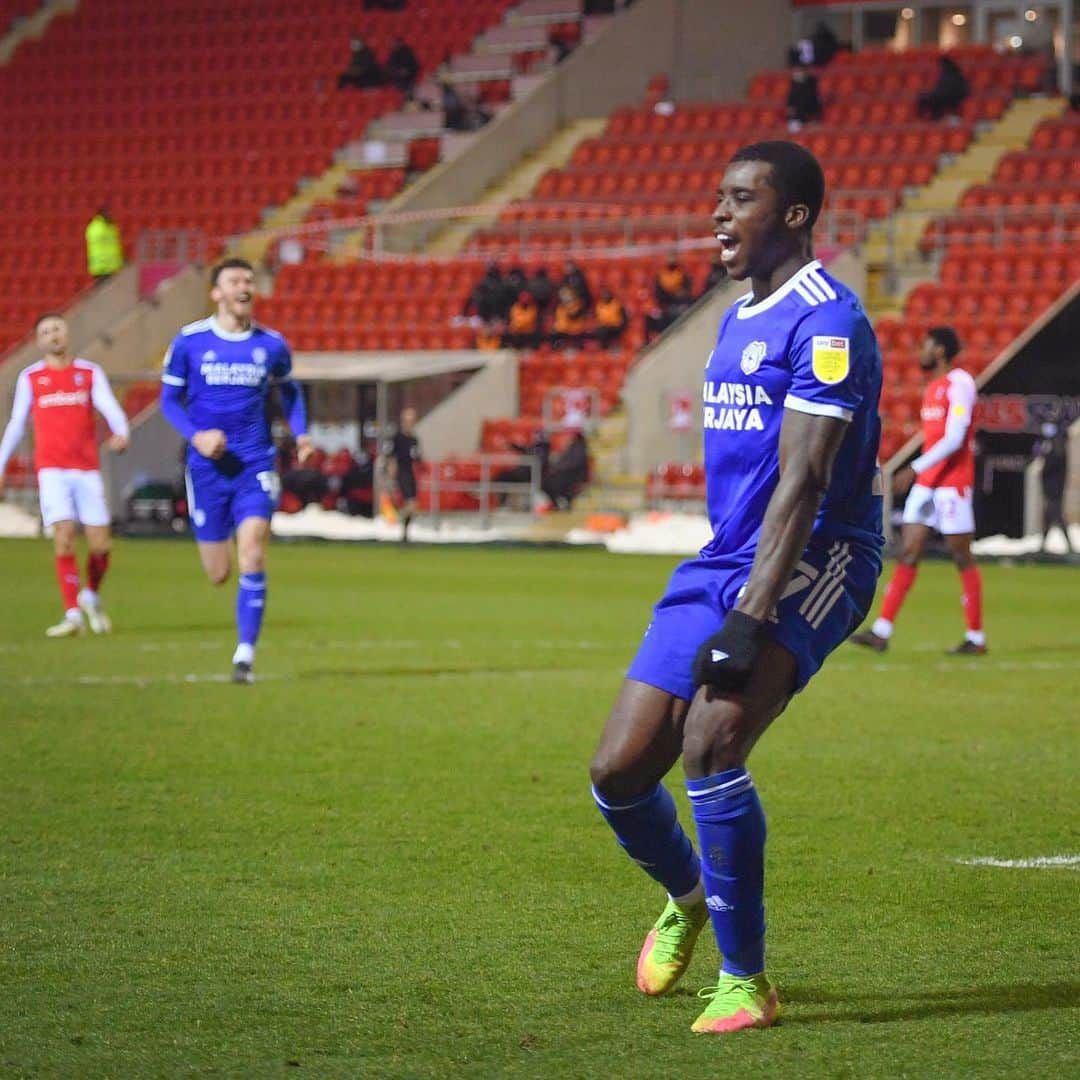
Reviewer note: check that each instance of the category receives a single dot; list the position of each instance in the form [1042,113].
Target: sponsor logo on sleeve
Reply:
[830,358]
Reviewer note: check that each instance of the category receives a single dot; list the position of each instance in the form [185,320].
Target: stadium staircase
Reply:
[1003,255]
[894,259]
[21,20]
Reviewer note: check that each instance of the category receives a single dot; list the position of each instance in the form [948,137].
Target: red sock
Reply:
[902,580]
[96,565]
[971,580]
[67,574]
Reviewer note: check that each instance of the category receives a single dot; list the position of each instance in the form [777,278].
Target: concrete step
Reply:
[254,246]
[517,183]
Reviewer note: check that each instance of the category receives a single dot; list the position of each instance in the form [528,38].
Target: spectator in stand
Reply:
[568,326]
[803,100]
[104,249]
[673,293]
[717,275]
[363,70]
[401,67]
[523,324]
[610,318]
[574,276]
[947,94]
[515,282]
[568,473]
[542,288]
[816,50]
[490,336]
[488,299]
[460,113]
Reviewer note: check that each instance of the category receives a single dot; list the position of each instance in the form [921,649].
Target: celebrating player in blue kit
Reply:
[218,373]
[794,499]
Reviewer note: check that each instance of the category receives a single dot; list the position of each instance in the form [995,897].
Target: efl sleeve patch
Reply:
[830,358]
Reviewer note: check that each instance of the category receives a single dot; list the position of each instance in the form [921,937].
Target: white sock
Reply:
[695,896]
[89,597]
[883,628]
[976,637]
[73,615]
[245,654]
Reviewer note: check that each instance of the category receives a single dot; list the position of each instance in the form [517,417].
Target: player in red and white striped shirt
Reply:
[60,394]
[941,481]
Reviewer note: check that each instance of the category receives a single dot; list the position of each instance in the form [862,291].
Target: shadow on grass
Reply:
[890,1008]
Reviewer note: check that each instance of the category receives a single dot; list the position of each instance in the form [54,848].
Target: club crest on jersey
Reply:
[209,356]
[78,378]
[258,355]
[752,357]
[830,358]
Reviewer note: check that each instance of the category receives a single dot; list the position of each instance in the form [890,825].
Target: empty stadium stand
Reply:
[159,111]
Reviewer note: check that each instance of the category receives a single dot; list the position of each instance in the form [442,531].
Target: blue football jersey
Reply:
[808,346]
[227,378]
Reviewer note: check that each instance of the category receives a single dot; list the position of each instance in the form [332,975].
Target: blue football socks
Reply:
[731,832]
[250,605]
[648,829]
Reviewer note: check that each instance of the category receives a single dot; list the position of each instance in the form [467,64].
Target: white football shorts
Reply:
[948,510]
[72,495]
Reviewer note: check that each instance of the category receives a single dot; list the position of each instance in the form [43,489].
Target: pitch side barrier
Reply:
[566,229]
[472,486]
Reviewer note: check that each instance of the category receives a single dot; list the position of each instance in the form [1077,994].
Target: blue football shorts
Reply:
[830,593]
[223,493]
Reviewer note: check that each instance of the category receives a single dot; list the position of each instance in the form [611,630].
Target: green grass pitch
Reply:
[383,860]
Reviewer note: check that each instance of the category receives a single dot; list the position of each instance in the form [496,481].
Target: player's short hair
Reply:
[945,336]
[229,264]
[46,315]
[796,174]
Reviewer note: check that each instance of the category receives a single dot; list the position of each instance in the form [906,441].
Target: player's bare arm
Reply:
[808,448]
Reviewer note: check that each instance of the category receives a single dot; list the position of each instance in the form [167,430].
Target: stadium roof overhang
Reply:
[387,367]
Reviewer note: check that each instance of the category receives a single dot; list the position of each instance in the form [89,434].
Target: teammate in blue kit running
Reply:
[218,374]
[794,498]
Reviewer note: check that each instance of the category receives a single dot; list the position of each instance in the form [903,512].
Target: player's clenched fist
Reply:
[209,443]
[304,448]
[726,659]
[118,443]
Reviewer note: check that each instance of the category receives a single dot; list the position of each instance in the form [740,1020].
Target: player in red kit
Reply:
[941,479]
[60,394]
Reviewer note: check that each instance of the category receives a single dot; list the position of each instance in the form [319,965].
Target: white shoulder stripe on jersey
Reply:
[817,408]
[822,284]
[813,287]
[747,309]
[173,380]
[195,327]
[807,295]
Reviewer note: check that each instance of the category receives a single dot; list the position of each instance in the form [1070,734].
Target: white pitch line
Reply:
[957,665]
[1041,862]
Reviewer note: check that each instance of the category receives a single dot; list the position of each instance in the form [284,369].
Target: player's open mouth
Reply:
[729,246]
[245,298]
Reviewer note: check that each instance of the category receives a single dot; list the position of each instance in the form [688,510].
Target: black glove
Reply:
[724,660]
